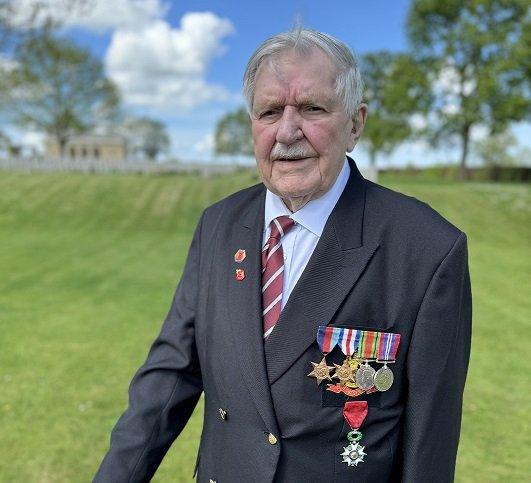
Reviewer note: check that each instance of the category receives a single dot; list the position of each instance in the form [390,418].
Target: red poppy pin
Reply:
[240,255]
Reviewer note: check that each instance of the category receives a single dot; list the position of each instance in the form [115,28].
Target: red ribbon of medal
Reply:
[355,413]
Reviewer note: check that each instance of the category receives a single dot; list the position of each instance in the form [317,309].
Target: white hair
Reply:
[348,84]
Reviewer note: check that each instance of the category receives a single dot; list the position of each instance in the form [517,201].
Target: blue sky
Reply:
[182,62]
[364,26]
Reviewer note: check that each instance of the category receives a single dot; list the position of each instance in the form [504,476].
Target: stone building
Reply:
[90,146]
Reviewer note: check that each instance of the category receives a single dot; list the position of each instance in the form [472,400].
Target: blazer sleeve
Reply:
[163,392]
[437,364]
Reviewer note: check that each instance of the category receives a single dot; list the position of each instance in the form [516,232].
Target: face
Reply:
[300,130]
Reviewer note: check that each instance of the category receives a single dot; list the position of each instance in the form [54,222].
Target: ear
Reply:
[358,123]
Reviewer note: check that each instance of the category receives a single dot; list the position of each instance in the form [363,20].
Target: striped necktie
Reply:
[273,273]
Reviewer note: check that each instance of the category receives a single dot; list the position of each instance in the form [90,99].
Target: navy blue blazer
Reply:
[385,262]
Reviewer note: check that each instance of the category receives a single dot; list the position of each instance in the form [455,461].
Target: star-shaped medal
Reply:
[353,454]
[321,371]
[343,372]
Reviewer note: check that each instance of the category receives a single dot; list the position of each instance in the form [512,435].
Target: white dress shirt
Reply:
[299,242]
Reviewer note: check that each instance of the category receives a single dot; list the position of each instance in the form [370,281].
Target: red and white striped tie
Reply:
[273,273]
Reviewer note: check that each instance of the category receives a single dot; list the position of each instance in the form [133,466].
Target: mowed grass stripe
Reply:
[79,281]
[88,265]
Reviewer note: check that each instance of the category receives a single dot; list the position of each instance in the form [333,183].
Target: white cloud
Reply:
[418,121]
[33,139]
[205,145]
[447,81]
[7,64]
[97,15]
[28,139]
[448,86]
[479,133]
[189,144]
[451,108]
[163,67]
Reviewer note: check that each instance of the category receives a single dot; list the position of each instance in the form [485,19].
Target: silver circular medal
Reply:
[365,377]
[383,379]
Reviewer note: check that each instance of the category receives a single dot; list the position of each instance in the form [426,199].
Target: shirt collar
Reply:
[312,215]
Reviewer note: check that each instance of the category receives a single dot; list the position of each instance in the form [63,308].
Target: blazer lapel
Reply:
[337,262]
[244,300]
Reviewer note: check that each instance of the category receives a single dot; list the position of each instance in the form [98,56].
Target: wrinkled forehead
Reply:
[308,75]
[297,58]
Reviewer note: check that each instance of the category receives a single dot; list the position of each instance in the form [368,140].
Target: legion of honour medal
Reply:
[354,413]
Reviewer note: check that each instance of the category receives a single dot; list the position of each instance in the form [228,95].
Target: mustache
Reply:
[291,151]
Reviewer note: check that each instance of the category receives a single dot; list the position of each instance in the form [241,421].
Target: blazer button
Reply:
[223,414]
[272,439]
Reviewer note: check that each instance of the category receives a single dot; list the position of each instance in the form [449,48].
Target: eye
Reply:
[313,109]
[270,115]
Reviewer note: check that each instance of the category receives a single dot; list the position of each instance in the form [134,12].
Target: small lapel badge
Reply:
[240,255]
[240,274]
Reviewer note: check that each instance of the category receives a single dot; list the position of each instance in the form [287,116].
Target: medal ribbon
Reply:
[355,413]
[388,346]
[368,344]
[347,339]
[328,337]
[350,341]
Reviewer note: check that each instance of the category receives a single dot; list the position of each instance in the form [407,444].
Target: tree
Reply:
[495,150]
[146,136]
[479,52]
[60,88]
[20,19]
[16,22]
[396,88]
[5,143]
[233,134]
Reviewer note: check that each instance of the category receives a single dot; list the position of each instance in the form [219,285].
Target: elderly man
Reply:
[326,319]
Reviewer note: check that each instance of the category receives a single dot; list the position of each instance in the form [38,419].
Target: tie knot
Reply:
[280,225]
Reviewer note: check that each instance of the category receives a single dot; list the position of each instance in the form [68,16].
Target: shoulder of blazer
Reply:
[230,206]
[238,198]
[413,221]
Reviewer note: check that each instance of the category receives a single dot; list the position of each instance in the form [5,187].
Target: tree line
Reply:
[52,85]
[469,65]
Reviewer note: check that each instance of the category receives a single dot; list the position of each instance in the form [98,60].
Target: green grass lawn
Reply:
[88,265]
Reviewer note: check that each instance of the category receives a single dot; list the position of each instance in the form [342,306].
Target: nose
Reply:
[289,127]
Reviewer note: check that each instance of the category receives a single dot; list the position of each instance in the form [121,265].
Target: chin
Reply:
[294,193]
[293,186]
